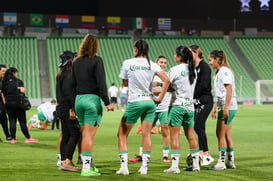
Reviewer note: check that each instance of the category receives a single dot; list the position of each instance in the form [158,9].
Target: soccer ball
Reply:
[189,159]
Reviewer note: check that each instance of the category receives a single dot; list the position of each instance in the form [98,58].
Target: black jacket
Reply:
[65,95]
[11,91]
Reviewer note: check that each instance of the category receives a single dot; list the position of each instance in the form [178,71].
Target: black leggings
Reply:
[4,121]
[14,114]
[202,112]
[70,137]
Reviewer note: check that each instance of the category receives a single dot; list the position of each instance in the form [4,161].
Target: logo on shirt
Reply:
[184,73]
[135,67]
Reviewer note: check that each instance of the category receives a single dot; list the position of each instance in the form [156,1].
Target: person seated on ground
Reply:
[34,122]
[45,113]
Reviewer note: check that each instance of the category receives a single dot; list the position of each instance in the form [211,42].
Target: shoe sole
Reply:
[69,169]
[31,141]
[122,173]
[191,169]
[174,172]
[91,175]
[218,168]
[135,160]
[231,167]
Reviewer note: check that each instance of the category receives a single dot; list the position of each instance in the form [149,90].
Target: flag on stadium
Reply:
[113,22]
[139,23]
[88,21]
[10,18]
[164,23]
[62,20]
[36,19]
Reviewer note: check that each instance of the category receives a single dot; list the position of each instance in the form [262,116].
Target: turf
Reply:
[252,134]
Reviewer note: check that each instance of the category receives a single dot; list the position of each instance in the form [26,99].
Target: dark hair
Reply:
[220,54]
[159,57]
[9,73]
[143,49]
[186,57]
[2,66]
[8,77]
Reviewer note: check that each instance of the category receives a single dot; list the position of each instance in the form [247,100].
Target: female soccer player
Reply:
[226,105]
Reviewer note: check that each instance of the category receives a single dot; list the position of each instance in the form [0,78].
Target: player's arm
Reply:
[228,98]
[166,82]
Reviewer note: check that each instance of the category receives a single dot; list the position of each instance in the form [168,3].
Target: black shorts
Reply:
[114,100]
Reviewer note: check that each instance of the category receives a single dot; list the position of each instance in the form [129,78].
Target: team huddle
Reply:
[180,97]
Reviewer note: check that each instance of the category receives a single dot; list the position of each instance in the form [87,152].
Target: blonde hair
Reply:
[197,49]
[89,46]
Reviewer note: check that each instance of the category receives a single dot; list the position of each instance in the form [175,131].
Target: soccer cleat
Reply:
[206,160]
[94,169]
[79,162]
[138,158]
[219,166]
[192,169]
[31,140]
[14,141]
[143,170]
[166,159]
[122,171]
[230,164]
[172,170]
[69,167]
[91,172]
[8,139]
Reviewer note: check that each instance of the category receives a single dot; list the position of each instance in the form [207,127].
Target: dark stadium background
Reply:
[143,8]
[222,15]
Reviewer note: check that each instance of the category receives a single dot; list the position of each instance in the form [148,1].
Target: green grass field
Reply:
[252,134]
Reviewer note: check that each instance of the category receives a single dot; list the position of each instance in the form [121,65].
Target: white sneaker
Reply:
[143,170]
[206,160]
[219,166]
[230,164]
[122,171]
[172,170]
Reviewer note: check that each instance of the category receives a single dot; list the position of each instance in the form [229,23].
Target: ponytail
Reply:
[187,57]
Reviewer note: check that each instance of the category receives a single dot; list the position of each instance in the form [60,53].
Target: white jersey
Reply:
[123,90]
[47,109]
[113,91]
[164,105]
[224,76]
[139,75]
[182,94]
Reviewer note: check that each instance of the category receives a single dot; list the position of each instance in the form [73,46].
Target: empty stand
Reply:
[22,53]
[113,50]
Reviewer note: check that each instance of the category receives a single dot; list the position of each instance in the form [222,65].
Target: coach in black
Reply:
[203,102]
